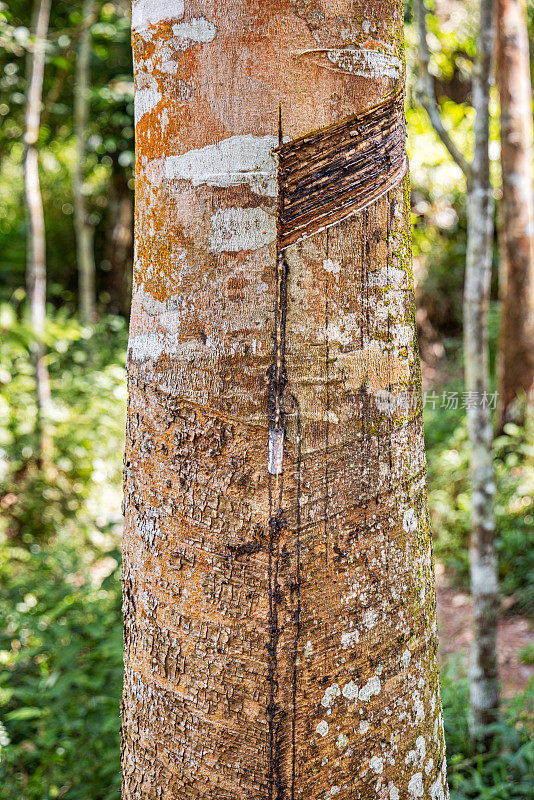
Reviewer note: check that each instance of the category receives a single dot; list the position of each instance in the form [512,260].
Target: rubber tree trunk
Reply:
[279,596]
[516,347]
[83,228]
[484,685]
[36,247]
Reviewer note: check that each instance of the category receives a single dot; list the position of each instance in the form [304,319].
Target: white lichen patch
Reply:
[401,335]
[150,12]
[145,346]
[146,98]
[438,790]
[420,745]
[409,520]
[418,708]
[377,764]
[393,792]
[363,727]
[329,416]
[322,728]
[365,63]
[350,691]
[331,266]
[371,688]
[406,658]
[339,334]
[234,161]
[342,741]
[349,638]
[332,792]
[308,649]
[237,229]
[370,618]
[415,785]
[196,30]
[330,695]
[417,756]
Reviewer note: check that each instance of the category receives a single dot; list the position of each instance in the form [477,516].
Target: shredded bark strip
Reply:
[330,174]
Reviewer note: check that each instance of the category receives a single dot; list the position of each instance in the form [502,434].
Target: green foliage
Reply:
[61,637]
[448,463]
[110,137]
[88,389]
[60,672]
[506,772]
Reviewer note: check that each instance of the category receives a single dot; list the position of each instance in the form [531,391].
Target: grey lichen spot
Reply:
[342,741]
[371,688]
[331,266]
[377,764]
[322,728]
[196,30]
[332,792]
[350,691]
[409,520]
[348,638]
[415,785]
[330,695]
[406,658]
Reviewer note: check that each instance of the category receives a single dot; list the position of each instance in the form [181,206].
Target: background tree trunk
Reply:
[119,245]
[484,685]
[516,346]
[84,230]
[36,249]
[280,630]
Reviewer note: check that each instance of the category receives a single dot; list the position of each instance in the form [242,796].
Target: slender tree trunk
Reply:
[516,350]
[119,244]
[483,562]
[84,230]
[280,629]
[36,250]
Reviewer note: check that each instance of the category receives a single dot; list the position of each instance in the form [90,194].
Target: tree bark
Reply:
[36,248]
[516,346]
[84,230]
[484,686]
[279,596]
[119,244]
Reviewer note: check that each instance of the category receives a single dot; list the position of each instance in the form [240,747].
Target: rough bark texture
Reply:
[36,247]
[280,629]
[84,230]
[482,557]
[516,350]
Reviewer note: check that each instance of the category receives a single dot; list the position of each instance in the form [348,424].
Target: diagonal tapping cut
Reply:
[323,178]
[328,175]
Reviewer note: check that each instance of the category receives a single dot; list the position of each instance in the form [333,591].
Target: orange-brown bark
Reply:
[280,634]
[516,344]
